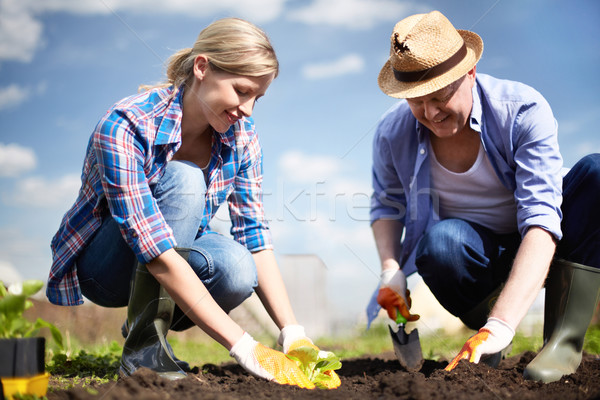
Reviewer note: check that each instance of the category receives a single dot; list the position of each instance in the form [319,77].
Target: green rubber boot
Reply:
[571,297]
[149,316]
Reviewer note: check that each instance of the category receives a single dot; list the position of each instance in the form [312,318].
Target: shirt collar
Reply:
[228,138]
[476,119]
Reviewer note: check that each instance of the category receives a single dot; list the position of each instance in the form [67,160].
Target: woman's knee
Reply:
[182,186]
[181,197]
[226,268]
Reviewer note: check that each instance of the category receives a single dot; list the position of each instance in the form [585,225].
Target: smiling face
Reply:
[223,98]
[446,111]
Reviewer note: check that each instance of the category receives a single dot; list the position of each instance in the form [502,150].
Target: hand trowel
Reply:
[406,346]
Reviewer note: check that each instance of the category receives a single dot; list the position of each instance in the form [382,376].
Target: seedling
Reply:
[315,363]
[13,302]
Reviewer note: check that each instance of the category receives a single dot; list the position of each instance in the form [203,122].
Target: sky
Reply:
[63,63]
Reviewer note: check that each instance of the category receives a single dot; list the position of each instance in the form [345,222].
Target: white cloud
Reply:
[8,273]
[21,29]
[255,10]
[298,167]
[15,159]
[41,193]
[12,96]
[20,32]
[351,14]
[349,64]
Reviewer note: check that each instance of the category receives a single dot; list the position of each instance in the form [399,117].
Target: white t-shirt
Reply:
[475,195]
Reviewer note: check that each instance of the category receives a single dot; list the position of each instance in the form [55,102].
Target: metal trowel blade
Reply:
[407,348]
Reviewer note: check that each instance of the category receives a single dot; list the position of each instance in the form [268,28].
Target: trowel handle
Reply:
[399,317]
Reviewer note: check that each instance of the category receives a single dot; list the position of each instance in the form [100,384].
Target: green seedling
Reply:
[13,303]
[315,363]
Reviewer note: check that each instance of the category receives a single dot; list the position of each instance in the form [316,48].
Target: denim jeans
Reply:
[462,262]
[106,266]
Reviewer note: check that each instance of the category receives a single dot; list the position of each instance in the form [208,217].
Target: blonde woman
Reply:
[157,167]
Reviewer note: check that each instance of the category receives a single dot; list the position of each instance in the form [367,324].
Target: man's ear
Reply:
[201,65]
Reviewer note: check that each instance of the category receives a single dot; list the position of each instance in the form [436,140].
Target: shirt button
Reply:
[422,151]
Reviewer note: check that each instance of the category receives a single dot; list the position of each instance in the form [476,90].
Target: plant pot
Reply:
[22,366]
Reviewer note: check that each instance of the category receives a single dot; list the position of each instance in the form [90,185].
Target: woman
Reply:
[158,166]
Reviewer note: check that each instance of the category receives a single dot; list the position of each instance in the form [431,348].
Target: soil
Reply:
[375,377]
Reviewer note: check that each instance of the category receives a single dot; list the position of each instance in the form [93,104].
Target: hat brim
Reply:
[404,90]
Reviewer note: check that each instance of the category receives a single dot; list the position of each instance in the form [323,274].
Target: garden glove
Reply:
[267,363]
[292,337]
[492,338]
[393,295]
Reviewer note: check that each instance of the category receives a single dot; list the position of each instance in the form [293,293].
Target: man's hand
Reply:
[393,295]
[292,337]
[492,338]
[267,363]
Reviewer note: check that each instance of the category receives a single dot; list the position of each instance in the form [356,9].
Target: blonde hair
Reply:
[231,45]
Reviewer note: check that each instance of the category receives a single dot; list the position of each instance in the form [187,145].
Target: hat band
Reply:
[430,73]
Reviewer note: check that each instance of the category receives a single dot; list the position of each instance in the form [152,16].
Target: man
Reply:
[468,169]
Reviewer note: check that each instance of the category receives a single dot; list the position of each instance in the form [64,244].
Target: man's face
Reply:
[446,112]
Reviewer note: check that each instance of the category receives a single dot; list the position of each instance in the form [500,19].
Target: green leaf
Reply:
[32,286]
[314,363]
[328,365]
[13,302]
[56,335]
[12,305]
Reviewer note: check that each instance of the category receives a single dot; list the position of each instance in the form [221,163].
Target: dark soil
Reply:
[377,377]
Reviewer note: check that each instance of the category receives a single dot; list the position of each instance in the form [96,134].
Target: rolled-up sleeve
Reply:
[538,175]
[121,151]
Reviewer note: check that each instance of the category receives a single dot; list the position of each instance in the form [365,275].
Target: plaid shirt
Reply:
[126,156]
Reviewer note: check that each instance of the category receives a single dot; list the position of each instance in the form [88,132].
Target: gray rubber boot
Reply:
[571,296]
[149,316]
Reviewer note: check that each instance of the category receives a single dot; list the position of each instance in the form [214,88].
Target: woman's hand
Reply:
[267,363]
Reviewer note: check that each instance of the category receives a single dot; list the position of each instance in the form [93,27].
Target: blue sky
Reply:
[64,62]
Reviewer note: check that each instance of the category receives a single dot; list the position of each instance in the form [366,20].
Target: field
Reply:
[369,369]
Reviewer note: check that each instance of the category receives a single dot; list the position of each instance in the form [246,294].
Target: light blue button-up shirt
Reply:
[519,134]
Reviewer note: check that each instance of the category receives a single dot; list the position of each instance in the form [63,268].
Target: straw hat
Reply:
[427,54]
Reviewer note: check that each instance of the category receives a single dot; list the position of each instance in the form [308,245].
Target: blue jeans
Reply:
[462,262]
[106,266]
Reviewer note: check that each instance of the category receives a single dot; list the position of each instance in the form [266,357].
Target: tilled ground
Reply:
[375,377]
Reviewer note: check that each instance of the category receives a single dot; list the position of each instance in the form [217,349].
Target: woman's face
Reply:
[446,112]
[224,98]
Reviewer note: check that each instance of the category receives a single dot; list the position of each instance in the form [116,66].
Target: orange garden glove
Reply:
[393,295]
[492,338]
[267,363]
[292,337]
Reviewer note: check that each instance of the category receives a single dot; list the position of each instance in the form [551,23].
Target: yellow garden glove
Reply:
[267,363]
[393,295]
[292,337]
[492,338]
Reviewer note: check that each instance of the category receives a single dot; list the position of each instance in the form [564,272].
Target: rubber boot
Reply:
[149,316]
[477,317]
[571,297]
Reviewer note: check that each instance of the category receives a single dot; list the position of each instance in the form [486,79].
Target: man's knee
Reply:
[588,168]
[439,247]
